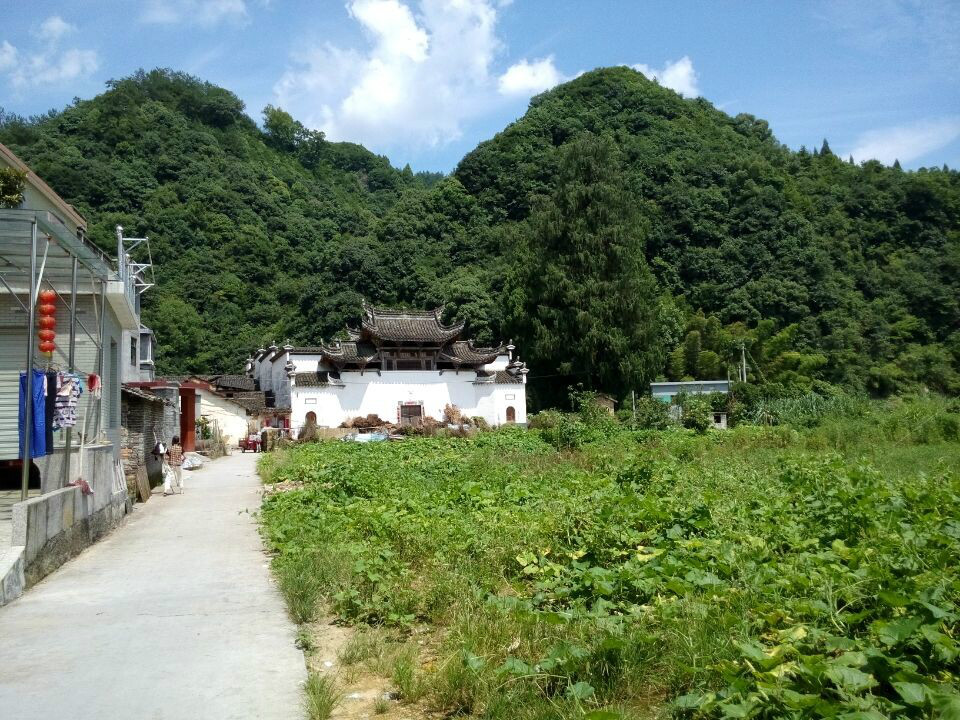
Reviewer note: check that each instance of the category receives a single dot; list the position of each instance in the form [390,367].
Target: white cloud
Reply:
[54,28]
[906,142]
[48,65]
[679,76]
[8,56]
[422,74]
[206,13]
[53,68]
[529,78]
[392,23]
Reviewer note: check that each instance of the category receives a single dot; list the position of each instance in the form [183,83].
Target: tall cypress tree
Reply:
[585,302]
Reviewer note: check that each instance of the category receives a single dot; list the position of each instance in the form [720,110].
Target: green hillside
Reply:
[827,270]
[617,232]
[256,235]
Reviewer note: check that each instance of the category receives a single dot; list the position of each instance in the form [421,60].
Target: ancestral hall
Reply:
[402,365]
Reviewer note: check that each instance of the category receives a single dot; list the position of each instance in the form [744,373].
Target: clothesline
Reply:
[56,395]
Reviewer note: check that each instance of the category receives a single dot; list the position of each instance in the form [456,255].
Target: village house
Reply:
[401,365]
[667,392]
[69,319]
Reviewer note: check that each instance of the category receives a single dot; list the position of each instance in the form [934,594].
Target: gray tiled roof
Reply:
[463,351]
[312,379]
[142,394]
[351,351]
[252,404]
[239,382]
[408,325]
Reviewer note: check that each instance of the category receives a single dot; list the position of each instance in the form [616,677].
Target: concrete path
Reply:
[173,616]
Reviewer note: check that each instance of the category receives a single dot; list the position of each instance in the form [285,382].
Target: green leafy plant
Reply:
[12,184]
[760,572]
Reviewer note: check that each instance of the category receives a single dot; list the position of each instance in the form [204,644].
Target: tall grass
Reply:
[321,696]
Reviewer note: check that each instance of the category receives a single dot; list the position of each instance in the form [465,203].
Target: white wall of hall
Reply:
[231,418]
[279,382]
[382,395]
[265,374]
[306,363]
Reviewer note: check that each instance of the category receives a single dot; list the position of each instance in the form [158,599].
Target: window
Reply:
[511,414]
[133,352]
[145,347]
[409,364]
[408,360]
[311,417]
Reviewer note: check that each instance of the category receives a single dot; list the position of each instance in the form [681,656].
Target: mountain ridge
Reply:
[829,272]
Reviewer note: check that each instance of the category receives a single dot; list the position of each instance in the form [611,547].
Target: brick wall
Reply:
[143,423]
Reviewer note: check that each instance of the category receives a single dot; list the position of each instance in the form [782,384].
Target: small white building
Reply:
[400,365]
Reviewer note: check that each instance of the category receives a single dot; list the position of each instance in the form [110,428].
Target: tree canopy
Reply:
[612,207]
[586,302]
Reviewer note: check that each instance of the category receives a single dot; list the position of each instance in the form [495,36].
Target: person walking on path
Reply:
[175,461]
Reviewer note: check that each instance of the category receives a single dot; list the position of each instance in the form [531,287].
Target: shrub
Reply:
[544,420]
[697,413]
[651,414]
[452,415]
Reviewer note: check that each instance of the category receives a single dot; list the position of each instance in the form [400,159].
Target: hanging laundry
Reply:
[38,437]
[49,407]
[70,387]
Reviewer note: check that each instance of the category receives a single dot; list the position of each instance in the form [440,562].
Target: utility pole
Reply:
[633,399]
[743,362]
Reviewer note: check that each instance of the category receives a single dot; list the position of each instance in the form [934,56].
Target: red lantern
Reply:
[47,321]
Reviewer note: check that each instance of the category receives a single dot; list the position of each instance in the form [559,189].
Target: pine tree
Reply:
[825,148]
[586,302]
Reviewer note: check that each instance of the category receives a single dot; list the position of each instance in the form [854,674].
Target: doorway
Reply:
[411,414]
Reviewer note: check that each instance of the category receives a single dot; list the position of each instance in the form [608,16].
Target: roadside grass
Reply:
[758,572]
[322,696]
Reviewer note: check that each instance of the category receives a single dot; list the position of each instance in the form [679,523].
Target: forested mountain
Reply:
[617,231]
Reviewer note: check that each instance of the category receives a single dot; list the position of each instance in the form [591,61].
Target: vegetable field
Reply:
[760,572]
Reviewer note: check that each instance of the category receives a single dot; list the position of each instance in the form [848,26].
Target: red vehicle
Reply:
[250,442]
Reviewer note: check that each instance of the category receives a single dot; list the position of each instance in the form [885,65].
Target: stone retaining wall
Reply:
[55,527]
[52,528]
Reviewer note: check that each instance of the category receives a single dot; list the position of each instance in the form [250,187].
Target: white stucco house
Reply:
[402,365]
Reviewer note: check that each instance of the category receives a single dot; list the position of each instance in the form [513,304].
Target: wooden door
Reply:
[411,415]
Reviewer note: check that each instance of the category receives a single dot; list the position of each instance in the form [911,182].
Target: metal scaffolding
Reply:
[38,252]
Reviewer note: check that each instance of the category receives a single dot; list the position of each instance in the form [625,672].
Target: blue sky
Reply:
[423,81]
